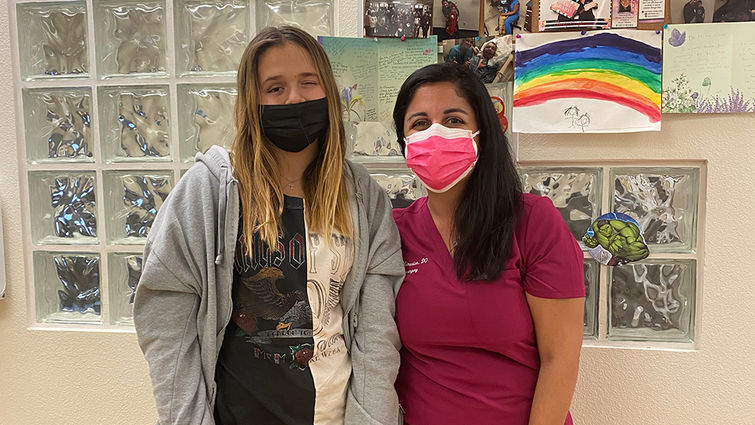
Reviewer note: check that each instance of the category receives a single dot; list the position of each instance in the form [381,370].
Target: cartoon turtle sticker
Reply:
[615,239]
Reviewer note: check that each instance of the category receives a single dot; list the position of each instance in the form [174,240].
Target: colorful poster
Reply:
[600,82]
[369,73]
[557,15]
[709,68]
[624,14]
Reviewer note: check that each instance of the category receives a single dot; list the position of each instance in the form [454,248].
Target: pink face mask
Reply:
[441,156]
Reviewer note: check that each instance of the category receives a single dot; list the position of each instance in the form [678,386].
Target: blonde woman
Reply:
[267,292]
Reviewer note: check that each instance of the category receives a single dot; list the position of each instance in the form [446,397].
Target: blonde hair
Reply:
[254,161]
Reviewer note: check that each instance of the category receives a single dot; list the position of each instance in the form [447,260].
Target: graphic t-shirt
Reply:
[283,359]
[470,354]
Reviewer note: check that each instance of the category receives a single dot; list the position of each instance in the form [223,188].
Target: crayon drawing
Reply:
[600,82]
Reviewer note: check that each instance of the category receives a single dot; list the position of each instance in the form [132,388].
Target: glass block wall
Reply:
[116,98]
[653,301]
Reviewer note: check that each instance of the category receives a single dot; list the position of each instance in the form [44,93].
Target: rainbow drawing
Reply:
[604,81]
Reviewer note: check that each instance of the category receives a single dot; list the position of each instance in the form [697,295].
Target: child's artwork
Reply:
[500,95]
[625,13]
[600,82]
[709,68]
[369,73]
[615,239]
[557,15]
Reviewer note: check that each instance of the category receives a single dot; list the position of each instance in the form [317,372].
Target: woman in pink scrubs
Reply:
[491,311]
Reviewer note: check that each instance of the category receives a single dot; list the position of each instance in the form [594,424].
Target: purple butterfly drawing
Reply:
[677,38]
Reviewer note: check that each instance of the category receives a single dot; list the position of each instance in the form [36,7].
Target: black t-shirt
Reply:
[262,373]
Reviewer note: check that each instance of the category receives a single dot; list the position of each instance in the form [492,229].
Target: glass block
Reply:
[592,288]
[210,36]
[67,287]
[314,16]
[58,124]
[652,300]
[664,203]
[206,118]
[574,191]
[63,207]
[134,123]
[52,39]
[124,271]
[132,199]
[402,186]
[372,141]
[130,38]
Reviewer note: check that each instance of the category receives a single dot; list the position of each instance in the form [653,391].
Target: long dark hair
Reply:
[489,208]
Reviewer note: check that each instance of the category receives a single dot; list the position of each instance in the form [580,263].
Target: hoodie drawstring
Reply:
[222,204]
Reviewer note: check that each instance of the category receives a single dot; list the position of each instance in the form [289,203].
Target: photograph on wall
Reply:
[700,11]
[503,17]
[599,82]
[709,68]
[495,61]
[398,18]
[456,18]
[558,15]
[369,73]
[624,14]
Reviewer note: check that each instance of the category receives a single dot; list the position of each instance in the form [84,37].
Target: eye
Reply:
[420,124]
[454,121]
[310,83]
[275,89]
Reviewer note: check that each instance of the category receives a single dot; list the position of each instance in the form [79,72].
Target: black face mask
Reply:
[293,127]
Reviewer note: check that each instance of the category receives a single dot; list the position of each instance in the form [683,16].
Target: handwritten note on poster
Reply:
[372,71]
[599,82]
[709,68]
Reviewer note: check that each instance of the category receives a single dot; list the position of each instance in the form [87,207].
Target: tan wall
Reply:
[53,377]
[715,384]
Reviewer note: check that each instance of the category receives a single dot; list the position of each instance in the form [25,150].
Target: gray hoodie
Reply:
[183,300]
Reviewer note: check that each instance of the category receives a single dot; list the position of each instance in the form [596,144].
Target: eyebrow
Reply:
[447,111]
[302,75]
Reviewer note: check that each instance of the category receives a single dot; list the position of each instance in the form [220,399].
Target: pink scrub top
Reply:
[470,354]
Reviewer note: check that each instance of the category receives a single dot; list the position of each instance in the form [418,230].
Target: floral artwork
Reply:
[350,100]
[720,81]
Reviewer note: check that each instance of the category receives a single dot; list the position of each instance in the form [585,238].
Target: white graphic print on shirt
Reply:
[327,267]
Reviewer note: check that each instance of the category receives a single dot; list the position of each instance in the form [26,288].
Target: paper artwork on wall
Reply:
[369,74]
[601,82]
[557,15]
[624,14]
[709,68]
